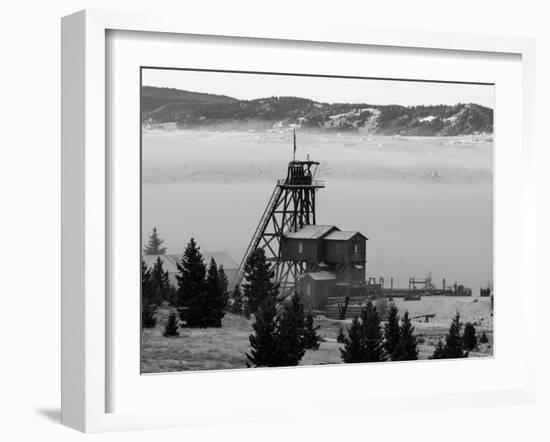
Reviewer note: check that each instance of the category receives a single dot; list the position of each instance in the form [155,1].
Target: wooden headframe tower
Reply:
[290,207]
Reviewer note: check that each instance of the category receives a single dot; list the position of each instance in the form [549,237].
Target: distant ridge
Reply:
[195,110]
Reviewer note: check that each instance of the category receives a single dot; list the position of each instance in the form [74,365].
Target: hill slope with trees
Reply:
[200,110]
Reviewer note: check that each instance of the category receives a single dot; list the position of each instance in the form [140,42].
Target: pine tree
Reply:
[258,276]
[383,308]
[290,342]
[391,330]
[171,326]
[263,341]
[160,283]
[237,301]
[154,245]
[454,347]
[469,338]
[146,287]
[148,316]
[439,351]
[214,298]
[406,349]
[192,286]
[224,286]
[312,339]
[172,296]
[341,336]
[354,350]
[372,334]
[246,309]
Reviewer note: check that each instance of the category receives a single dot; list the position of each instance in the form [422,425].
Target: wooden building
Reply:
[316,288]
[305,244]
[334,262]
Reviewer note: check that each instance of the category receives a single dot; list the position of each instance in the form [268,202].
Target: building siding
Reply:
[340,251]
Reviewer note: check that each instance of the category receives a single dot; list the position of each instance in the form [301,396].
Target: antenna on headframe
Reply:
[294,154]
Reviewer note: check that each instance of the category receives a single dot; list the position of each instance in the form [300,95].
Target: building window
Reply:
[337,249]
[300,247]
[356,248]
[308,289]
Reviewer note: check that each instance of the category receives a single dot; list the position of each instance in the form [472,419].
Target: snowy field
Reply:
[424,203]
[225,348]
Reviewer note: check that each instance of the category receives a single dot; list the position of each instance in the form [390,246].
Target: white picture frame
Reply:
[85,203]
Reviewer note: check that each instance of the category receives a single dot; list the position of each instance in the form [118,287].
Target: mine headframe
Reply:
[292,205]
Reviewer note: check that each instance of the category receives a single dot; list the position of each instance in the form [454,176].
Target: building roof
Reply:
[313,231]
[321,276]
[343,235]
[169,262]
[221,258]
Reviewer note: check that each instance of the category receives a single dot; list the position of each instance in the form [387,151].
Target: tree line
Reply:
[368,341]
[282,330]
[200,297]
[277,333]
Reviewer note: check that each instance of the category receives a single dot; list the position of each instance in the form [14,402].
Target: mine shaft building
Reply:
[317,261]
[335,262]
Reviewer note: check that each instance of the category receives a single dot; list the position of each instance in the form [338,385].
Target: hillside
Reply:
[196,110]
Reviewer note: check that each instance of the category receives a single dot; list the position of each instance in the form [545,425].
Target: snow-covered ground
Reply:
[226,347]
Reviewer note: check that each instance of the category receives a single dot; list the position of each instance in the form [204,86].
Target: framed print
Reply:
[268,213]
[267,173]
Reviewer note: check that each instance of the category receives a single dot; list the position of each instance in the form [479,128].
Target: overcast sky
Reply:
[329,90]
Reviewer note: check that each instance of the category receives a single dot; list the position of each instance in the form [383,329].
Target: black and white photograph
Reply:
[301,220]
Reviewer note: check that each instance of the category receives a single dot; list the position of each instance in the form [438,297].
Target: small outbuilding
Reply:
[316,287]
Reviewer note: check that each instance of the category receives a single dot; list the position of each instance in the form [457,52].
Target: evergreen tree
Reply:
[172,296]
[224,286]
[263,342]
[312,339]
[237,301]
[391,330]
[192,286]
[484,339]
[406,349]
[454,347]
[146,287]
[439,351]
[148,317]
[372,334]
[246,309]
[354,350]
[290,342]
[171,326]
[341,336]
[469,339]
[154,247]
[160,283]
[213,298]
[383,308]
[258,276]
